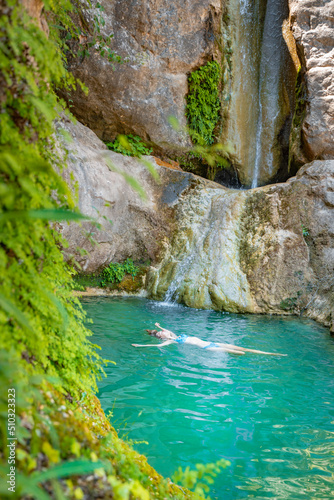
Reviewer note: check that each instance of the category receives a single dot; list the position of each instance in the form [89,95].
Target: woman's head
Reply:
[162,334]
[152,332]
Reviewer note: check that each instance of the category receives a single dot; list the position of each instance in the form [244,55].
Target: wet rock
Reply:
[261,98]
[130,225]
[267,250]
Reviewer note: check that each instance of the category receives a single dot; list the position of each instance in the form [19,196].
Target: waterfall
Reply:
[201,265]
[262,92]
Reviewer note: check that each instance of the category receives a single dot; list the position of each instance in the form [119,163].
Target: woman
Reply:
[210,346]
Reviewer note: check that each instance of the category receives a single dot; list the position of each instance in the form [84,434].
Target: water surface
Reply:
[273,418]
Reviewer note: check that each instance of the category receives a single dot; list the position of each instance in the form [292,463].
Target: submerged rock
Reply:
[267,250]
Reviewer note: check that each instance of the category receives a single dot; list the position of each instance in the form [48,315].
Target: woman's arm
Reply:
[154,345]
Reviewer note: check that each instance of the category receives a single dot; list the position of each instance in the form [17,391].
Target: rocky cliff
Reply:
[312,23]
[268,250]
[162,43]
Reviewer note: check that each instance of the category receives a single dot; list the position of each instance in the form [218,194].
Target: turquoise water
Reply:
[272,417]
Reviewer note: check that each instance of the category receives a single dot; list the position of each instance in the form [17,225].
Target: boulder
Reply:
[160,44]
[132,213]
[267,250]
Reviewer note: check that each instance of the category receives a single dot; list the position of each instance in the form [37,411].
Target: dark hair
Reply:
[152,332]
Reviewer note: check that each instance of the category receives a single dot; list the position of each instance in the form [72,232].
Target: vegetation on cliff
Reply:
[203,112]
[203,103]
[129,145]
[61,444]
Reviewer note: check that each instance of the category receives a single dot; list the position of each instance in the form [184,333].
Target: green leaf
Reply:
[66,469]
[14,311]
[52,214]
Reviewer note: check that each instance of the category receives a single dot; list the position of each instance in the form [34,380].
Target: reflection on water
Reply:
[273,418]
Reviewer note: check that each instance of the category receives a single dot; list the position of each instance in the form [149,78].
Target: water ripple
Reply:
[272,418]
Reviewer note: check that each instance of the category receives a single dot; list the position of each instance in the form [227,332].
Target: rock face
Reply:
[160,43]
[313,28]
[131,226]
[267,250]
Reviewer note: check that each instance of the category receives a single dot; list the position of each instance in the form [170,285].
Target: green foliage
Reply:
[45,352]
[203,103]
[115,272]
[289,304]
[200,479]
[98,39]
[203,160]
[57,440]
[129,145]
[78,27]
[38,314]
[305,231]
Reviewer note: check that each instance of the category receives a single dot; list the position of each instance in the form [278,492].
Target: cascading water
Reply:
[201,266]
[262,91]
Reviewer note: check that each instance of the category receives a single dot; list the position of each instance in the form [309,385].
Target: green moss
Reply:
[38,315]
[193,162]
[132,284]
[72,441]
[127,281]
[256,213]
[46,357]
[203,103]
[289,304]
[82,281]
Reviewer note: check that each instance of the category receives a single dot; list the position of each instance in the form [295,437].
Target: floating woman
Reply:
[171,338]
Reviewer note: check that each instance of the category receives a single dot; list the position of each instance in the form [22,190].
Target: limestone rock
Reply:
[267,250]
[313,28]
[160,43]
[130,226]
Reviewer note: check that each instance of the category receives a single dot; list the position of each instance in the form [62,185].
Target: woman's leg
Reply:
[225,349]
[237,348]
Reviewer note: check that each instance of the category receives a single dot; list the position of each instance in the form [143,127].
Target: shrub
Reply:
[115,272]
[305,231]
[203,103]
